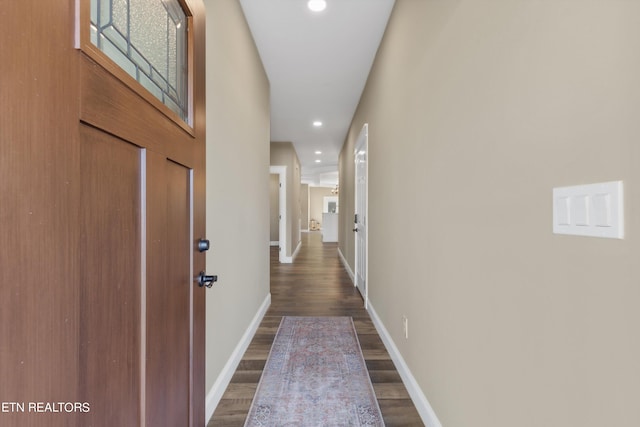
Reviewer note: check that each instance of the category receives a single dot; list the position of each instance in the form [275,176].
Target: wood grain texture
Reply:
[170,382]
[70,220]
[316,284]
[110,277]
[168,292]
[107,103]
[39,193]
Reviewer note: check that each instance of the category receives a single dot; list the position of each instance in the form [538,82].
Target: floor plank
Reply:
[316,284]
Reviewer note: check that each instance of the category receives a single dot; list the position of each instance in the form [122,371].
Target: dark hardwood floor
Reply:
[316,284]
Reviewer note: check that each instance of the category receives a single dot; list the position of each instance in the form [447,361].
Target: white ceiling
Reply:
[317,64]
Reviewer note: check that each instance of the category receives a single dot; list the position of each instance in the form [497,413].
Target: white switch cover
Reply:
[589,210]
[602,210]
[579,210]
[562,210]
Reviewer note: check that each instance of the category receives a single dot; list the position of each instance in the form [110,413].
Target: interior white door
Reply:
[361,207]
[283,245]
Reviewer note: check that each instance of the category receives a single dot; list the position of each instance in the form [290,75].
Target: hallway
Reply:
[316,284]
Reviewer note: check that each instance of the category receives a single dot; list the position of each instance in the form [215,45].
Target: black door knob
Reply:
[205,280]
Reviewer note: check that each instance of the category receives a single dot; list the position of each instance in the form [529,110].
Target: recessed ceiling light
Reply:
[317,123]
[317,5]
[318,161]
[318,152]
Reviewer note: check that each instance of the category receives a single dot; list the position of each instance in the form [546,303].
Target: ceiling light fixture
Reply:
[318,161]
[317,123]
[317,5]
[318,152]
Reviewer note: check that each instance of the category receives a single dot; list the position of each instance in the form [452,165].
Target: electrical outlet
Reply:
[405,326]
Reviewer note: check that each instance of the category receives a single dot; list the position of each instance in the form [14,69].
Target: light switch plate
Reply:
[595,210]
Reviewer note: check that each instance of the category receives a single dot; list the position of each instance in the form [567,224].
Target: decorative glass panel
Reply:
[148,40]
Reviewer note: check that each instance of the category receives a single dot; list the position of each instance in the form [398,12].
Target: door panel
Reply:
[39,167]
[110,278]
[169,292]
[170,324]
[78,314]
[108,104]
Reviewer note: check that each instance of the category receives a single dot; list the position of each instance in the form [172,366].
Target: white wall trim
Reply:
[220,385]
[289,259]
[347,267]
[295,253]
[274,243]
[419,399]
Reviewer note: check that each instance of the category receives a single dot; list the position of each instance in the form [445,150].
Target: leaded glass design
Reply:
[147,39]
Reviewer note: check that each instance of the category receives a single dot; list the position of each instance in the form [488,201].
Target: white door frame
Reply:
[362,144]
[281,171]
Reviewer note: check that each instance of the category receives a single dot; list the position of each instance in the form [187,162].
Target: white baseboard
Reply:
[419,399]
[295,253]
[289,259]
[220,385]
[347,267]
[274,243]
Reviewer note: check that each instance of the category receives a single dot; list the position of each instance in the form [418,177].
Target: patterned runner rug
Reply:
[315,376]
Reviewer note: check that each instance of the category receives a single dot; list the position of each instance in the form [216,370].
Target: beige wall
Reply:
[346,200]
[316,202]
[476,110]
[274,204]
[284,154]
[304,206]
[237,181]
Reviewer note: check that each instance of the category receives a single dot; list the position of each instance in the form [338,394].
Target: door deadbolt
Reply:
[203,245]
[205,280]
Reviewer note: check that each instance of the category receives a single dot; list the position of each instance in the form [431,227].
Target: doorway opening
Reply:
[283,248]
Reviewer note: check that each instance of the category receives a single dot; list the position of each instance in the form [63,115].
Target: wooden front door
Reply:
[102,204]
